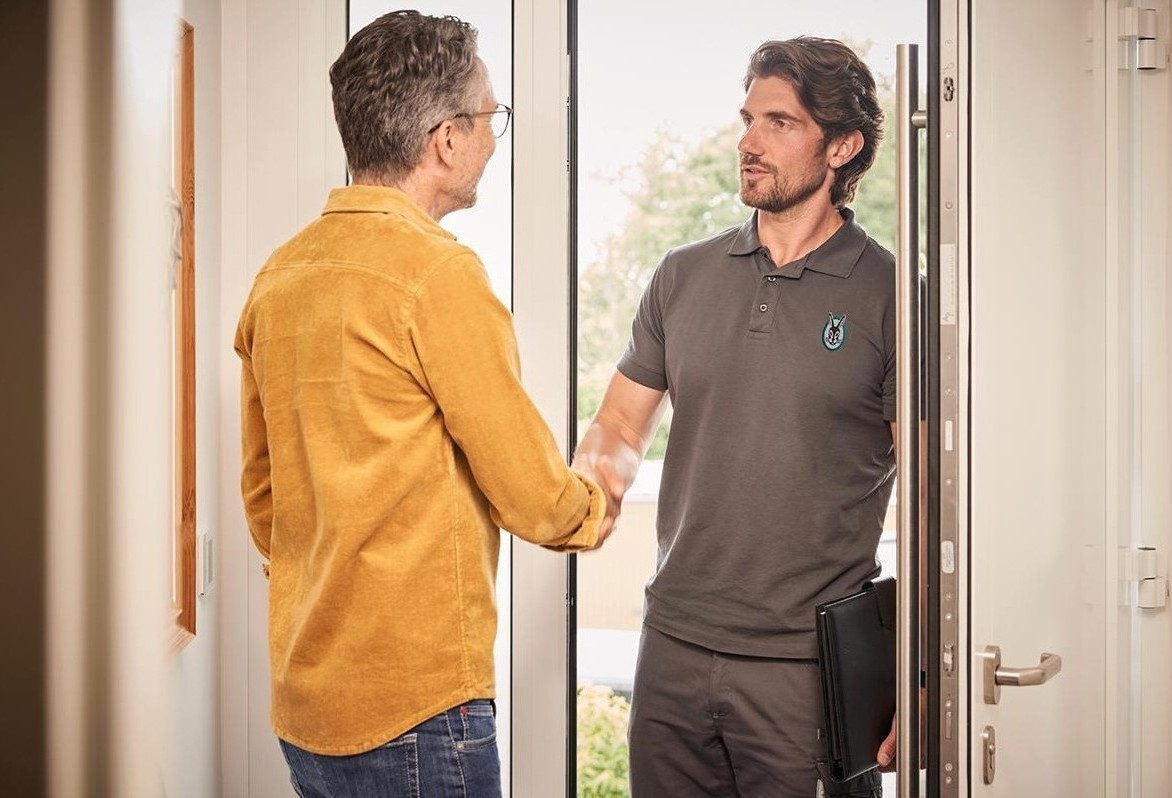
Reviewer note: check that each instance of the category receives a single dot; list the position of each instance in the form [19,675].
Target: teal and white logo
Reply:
[834,333]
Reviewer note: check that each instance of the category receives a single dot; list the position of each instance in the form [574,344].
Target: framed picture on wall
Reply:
[183,585]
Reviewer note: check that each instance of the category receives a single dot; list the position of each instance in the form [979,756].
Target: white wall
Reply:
[192,766]
[109,400]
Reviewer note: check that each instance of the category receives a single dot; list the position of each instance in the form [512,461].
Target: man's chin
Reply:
[465,201]
[753,199]
[758,193]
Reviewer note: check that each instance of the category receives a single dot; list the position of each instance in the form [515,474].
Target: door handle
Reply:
[994,675]
[909,119]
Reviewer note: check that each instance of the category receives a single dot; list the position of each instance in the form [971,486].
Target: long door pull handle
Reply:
[907,307]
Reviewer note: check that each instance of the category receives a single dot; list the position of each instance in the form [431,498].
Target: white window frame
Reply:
[541,314]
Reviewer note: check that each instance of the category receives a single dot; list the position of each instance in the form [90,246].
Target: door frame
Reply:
[541,194]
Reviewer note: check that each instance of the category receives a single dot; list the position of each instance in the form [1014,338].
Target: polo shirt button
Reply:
[771,279]
[764,308]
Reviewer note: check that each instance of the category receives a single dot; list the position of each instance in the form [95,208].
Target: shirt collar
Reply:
[836,255]
[381,199]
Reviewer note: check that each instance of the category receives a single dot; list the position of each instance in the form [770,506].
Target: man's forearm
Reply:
[610,446]
[614,444]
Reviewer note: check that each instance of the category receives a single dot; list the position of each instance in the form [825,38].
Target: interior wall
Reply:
[24,41]
[75,117]
[132,491]
[108,396]
[193,759]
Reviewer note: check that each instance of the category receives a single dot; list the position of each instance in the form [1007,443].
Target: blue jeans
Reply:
[452,755]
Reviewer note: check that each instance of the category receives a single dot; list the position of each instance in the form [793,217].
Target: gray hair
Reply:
[395,81]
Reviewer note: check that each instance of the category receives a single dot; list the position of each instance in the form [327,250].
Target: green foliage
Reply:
[602,743]
[875,199]
[874,203]
[681,194]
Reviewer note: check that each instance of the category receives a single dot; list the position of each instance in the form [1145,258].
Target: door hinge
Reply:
[1147,567]
[1139,37]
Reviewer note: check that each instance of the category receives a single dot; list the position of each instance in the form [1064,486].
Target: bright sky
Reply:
[677,66]
[646,66]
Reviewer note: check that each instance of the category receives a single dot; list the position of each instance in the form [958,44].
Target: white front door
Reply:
[1053,362]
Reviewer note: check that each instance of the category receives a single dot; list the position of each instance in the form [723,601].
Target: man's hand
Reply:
[612,448]
[886,755]
[605,529]
[600,469]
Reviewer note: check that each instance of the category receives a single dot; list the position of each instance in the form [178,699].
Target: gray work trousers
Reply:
[705,723]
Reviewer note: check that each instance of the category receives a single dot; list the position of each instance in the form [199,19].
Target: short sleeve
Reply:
[890,406]
[644,359]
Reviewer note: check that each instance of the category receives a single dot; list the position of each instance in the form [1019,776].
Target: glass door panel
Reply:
[658,91]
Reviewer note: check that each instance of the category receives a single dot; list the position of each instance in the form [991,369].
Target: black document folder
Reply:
[856,657]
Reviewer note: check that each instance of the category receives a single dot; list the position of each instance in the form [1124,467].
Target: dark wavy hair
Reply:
[397,79]
[838,91]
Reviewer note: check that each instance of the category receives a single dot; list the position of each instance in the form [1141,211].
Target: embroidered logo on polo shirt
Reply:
[834,332]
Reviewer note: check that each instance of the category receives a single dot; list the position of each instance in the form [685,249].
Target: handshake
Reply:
[611,462]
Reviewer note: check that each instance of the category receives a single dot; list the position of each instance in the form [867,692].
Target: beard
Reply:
[465,197]
[774,194]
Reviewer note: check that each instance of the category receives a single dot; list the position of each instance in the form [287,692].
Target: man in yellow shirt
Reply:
[387,438]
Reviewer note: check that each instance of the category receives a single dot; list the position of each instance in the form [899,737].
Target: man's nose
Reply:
[748,142]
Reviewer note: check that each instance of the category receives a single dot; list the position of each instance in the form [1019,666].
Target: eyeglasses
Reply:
[499,123]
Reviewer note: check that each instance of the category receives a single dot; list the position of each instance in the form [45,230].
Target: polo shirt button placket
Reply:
[760,321]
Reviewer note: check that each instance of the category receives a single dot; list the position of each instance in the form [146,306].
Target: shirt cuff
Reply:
[587,535]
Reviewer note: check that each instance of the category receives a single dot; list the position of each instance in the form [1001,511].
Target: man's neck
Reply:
[418,189]
[796,232]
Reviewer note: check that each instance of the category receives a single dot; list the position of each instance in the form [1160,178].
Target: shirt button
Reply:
[764,308]
[771,279]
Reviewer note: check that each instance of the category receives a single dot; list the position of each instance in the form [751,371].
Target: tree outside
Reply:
[682,194]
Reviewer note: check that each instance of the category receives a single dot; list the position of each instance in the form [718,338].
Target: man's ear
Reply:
[844,149]
[442,142]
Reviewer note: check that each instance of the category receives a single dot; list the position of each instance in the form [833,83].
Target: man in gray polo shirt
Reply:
[776,343]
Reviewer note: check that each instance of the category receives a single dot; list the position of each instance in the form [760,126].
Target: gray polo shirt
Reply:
[780,462]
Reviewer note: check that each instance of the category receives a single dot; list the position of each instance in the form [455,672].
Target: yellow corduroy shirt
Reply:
[386,438]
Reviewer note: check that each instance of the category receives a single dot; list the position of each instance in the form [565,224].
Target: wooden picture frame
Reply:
[183,355]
